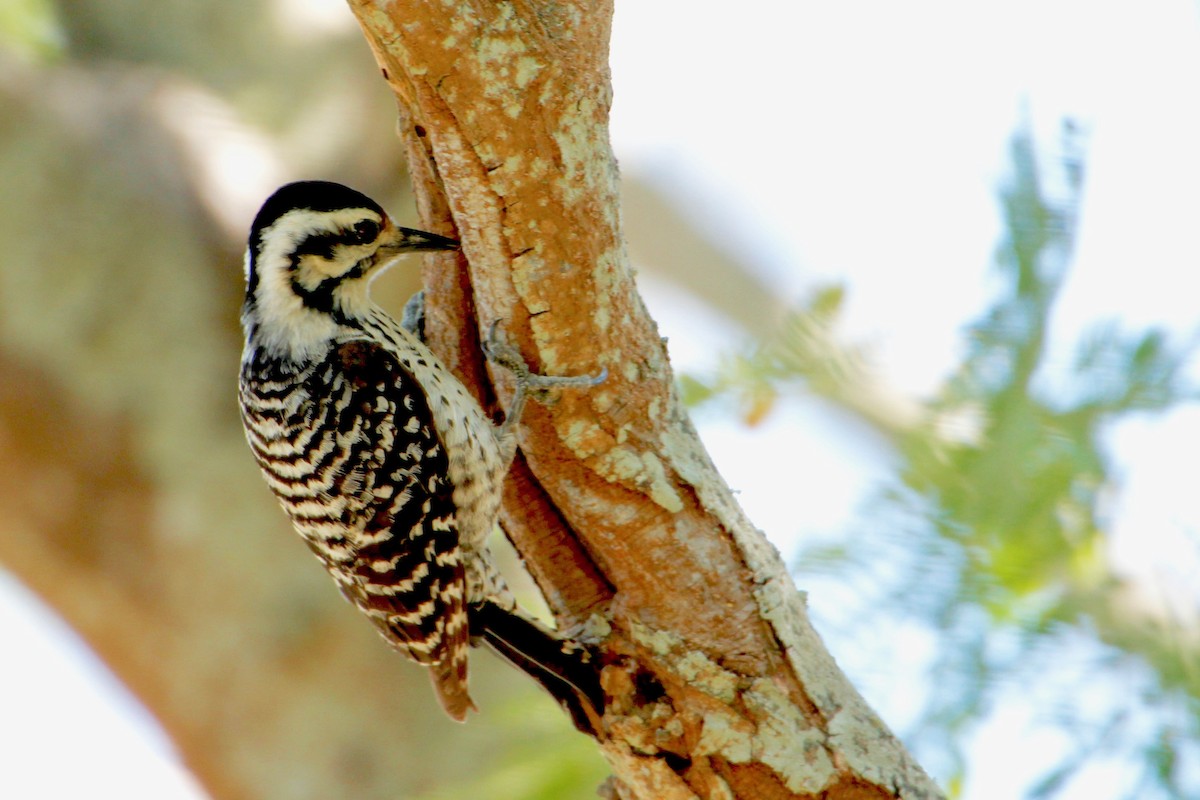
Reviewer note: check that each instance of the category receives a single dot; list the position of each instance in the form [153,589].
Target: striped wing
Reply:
[365,482]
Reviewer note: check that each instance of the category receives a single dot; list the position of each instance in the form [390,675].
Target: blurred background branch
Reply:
[135,148]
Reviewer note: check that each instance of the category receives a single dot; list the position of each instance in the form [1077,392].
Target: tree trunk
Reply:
[717,685]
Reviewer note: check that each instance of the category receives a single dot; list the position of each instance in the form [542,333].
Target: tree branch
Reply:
[717,685]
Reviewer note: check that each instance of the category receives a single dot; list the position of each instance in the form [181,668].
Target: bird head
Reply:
[314,247]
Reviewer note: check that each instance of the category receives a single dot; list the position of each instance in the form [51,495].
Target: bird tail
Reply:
[450,684]
[564,668]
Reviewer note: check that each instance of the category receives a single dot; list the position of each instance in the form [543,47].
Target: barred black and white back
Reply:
[388,468]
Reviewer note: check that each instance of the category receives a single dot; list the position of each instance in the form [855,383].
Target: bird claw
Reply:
[529,383]
[502,354]
[544,383]
[413,319]
[497,350]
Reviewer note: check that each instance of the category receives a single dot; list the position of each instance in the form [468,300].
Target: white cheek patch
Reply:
[312,270]
[318,238]
[300,252]
[287,327]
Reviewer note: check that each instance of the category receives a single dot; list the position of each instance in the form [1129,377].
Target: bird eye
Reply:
[364,231]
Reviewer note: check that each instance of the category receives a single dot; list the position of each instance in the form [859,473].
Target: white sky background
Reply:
[861,142]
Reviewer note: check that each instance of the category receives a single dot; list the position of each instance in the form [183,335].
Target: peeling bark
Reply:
[717,685]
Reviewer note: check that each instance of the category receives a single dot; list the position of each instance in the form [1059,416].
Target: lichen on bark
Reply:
[716,684]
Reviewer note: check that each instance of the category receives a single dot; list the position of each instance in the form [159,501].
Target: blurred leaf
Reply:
[804,350]
[993,533]
[693,392]
[30,29]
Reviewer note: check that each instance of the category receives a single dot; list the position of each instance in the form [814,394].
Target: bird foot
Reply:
[497,350]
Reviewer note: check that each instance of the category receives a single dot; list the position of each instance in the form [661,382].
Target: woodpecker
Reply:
[389,469]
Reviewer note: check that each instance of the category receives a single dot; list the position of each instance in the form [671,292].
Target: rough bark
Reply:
[718,686]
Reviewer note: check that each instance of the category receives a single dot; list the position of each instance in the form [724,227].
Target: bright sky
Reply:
[864,142]
[867,147]
[860,142]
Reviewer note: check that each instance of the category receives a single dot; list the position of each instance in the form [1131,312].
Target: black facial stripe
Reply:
[322,245]
[311,195]
[318,244]
[321,297]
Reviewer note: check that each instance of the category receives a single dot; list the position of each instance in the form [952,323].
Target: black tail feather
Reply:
[564,668]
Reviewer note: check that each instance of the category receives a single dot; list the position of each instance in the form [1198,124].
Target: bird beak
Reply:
[407,240]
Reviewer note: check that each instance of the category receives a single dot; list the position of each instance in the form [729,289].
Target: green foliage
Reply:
[993,532]
[804,350]
[30,29]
